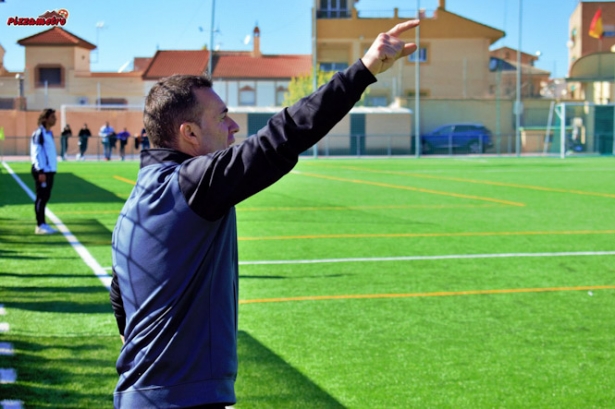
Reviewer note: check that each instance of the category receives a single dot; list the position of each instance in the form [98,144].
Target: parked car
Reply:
[469,137]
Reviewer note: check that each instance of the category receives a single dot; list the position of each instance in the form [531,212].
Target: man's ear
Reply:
[187,133]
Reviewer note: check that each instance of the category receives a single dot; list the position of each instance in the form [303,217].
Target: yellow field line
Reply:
[121,179]
[432,294]
[481,182]
[91,212]
[415,189]
[319,208]
[414,235]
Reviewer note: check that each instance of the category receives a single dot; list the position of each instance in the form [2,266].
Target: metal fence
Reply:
[533,141]
[20,146]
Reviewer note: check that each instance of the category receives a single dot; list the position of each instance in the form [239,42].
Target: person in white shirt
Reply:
[44,166]
[107,133]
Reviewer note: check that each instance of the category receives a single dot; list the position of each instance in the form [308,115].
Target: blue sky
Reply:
[138,28]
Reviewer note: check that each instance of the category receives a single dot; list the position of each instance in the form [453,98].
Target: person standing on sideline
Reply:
[44,167]
[84,134]
[106,133]
[174,289]
[123,138]
[144,140]
[137,141]
[66,133]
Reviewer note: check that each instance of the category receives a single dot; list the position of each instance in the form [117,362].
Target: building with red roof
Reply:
[58,73]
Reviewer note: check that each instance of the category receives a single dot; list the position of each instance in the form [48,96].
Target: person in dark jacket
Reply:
[174,247]
[84,135]
[66,133]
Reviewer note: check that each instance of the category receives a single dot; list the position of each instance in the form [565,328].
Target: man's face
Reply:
[215,129]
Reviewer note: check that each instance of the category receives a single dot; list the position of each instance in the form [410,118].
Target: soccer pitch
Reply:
[364,283]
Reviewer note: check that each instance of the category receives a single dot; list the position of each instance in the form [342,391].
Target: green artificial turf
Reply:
[338,315]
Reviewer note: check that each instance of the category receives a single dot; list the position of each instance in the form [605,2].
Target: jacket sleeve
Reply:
[118,305]
[38,155]
[214,183]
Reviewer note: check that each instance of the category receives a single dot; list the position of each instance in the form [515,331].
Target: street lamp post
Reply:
[211,39]
[99,26]
[20,91]
[417,86]
[613,100]
[532,87]
[518,104]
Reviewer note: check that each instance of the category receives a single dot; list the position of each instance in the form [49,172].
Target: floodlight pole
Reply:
[518,104]
[211,39]
[613,100]
[314,62]
[417,86]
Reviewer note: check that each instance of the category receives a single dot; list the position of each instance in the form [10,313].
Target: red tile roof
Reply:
[188,62]
[56,36]
[141,63]
[96,74]
[243,65]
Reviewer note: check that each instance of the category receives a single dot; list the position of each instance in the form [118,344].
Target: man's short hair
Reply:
[44,116]
[171,102]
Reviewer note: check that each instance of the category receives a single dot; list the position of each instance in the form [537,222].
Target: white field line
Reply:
[6,349]
[72,240]
[421,258]
[11,404]
[100,272]
[8,375]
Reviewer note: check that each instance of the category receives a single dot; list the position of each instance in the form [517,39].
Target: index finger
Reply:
[402,27]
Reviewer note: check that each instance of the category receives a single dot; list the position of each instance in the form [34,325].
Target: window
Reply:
[421,54]
[279,96]
[422,93]
[52,76]
[111,101]
[333,9]
[465,128]
[445,130]
[247,96]
[333,66]
[376,101]
[7,103]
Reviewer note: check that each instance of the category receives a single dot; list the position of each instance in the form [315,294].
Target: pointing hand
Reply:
[388,48]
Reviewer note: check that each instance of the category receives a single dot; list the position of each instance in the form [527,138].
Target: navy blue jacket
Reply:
[175,290]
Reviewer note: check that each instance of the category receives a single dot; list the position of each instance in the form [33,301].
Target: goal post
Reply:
[581,128]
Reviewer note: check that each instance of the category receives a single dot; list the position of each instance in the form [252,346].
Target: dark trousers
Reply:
[63,146]
[123,148]
[83,145]
[43,193]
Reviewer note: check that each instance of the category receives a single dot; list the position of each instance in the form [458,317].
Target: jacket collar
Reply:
[159,155]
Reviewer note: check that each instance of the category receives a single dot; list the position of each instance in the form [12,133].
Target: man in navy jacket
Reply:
[174,247]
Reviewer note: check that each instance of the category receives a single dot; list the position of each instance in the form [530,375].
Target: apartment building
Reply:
[591,74]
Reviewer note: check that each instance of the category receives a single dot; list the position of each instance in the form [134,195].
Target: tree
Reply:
[302,86]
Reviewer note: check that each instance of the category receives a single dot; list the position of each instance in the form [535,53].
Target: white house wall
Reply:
[265,91]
